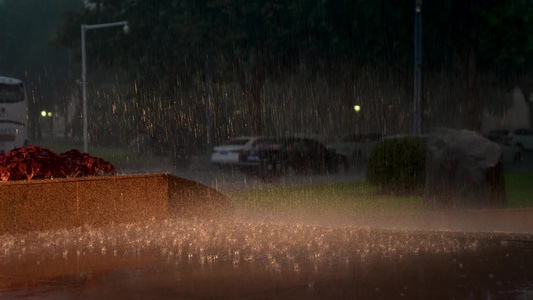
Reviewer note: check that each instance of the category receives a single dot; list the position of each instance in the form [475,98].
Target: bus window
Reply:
[13,114]
[11,93]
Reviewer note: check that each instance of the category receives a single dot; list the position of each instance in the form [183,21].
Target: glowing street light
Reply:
[85,27]
[357,108]
[45,113]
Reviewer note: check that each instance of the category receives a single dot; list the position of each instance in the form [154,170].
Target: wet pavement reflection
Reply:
[237,258]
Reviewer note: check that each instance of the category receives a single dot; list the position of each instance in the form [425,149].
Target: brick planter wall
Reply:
[63,203]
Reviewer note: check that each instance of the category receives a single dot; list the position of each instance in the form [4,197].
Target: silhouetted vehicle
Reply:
[230,152]
[511,151]
[355,147]
[290,155]
[523,138]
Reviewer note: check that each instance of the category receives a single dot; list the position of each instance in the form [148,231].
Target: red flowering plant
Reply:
[31,162]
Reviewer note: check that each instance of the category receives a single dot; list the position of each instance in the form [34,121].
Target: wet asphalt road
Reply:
[175,259]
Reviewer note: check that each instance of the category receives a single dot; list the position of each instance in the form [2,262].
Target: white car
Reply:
[355,147]
[230,152]
[511,151]
[523,138]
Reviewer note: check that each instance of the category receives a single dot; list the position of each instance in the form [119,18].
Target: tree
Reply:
[168,44]
[252,41]
[25,52]
[479,35]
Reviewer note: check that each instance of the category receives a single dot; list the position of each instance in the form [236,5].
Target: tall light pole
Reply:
[418,88]
[209,105]
[85,27]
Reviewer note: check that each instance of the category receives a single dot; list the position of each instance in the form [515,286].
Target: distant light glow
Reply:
[45,113]
[357,108]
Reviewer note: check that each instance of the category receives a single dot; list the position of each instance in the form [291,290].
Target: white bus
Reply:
[13,114]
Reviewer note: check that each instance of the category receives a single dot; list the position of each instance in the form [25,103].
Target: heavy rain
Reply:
[367,149]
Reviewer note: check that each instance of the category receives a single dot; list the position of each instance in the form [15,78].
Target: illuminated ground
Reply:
[274,259]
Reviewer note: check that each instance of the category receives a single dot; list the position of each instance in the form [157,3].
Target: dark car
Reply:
[279,157]
[356,147]
[512,150]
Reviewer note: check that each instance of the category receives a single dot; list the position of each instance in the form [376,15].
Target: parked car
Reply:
[312,136]
[274,158]
[523,138]
[355,147]
[511,151]
[229,153]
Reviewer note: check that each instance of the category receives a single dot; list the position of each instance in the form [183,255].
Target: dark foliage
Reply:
[31,162]
[397,165]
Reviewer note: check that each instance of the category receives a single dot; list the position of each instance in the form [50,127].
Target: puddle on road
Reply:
[268,260]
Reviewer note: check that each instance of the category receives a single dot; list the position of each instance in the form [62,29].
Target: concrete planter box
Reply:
[63,203]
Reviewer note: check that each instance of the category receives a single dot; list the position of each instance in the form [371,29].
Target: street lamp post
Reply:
[357,109]
[418,88]
[85,27]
